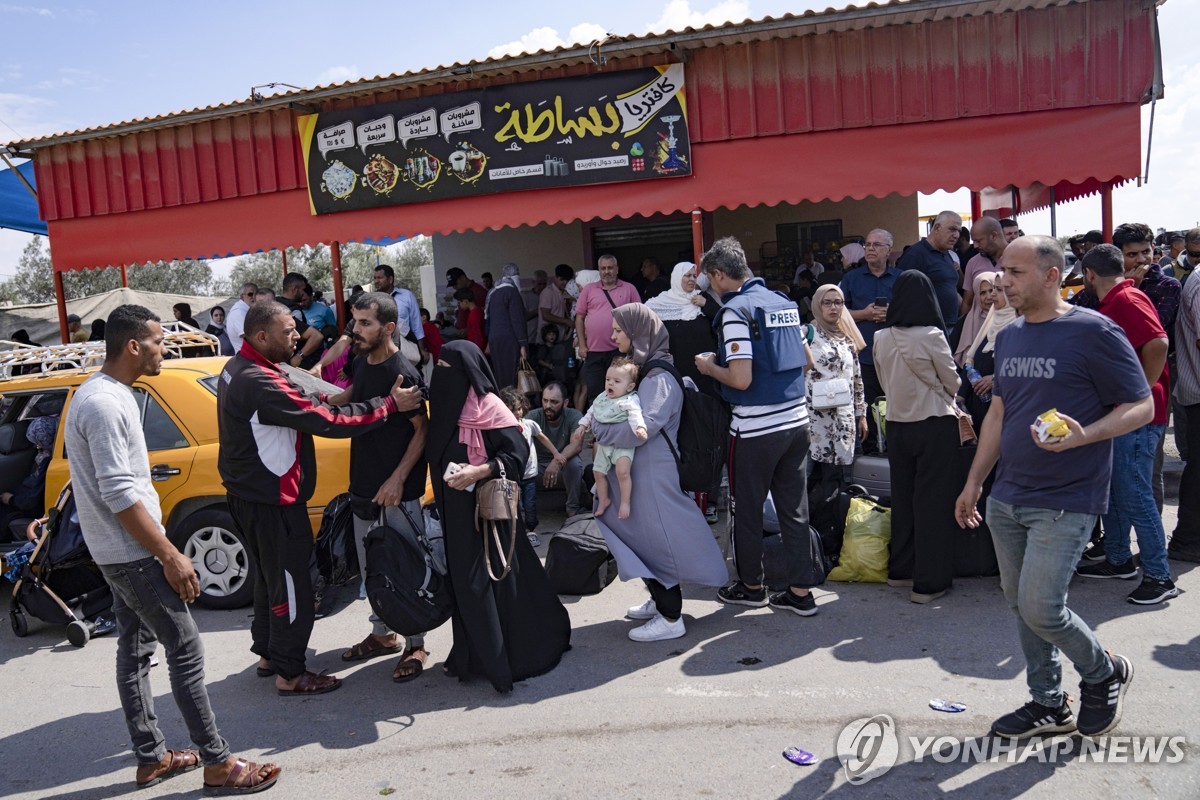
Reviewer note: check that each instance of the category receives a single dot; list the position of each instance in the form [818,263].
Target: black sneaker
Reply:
[1183,554]
[805,606]
[739,594]
[1153,591]
[1100,703]
[1104,569]
[1035,719]
[1094,552]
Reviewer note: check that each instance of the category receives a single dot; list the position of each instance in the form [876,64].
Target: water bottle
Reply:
[974,377]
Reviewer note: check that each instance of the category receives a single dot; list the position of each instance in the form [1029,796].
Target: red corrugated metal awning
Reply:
[1074,145]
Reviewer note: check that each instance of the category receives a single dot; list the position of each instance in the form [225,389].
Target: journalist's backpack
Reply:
[404,586]
[703,435]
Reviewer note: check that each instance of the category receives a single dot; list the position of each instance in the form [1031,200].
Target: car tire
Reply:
[219,553]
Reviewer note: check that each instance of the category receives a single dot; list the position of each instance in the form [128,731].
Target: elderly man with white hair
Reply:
[931,255]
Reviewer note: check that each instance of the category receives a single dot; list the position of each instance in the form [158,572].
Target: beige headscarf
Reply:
[1001,316]
[845,326]
[973,321]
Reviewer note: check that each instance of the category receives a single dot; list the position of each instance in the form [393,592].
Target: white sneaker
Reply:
[646,610]
[658,630]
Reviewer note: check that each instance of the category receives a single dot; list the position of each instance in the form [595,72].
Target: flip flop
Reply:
[408,658]
[181,761]
[244,778]
[311,683]
[370,648]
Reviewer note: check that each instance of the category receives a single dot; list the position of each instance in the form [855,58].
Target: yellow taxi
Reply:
[179,418]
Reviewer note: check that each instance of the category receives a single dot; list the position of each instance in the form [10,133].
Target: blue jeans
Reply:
[148,611]
[1131,503]
[1037,549]
[529,503]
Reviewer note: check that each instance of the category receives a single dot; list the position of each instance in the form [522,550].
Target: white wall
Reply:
[753,226]
[530,248]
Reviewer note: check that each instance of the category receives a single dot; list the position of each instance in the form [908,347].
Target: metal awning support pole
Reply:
[1053,214]
[697,235]
[60,299]
[976,206]
[335,260]
[124,277]
[20,175]
[283,253]
[1106,212]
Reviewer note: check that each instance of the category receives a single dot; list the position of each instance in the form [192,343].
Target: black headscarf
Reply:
[97,331]
[468,369]
[914,304]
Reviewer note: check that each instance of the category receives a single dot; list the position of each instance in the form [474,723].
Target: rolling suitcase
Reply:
[874,474]
[577,558]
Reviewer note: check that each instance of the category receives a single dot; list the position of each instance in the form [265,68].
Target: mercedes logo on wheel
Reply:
[216,561]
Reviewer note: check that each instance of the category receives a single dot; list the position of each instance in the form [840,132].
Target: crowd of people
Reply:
[945,331]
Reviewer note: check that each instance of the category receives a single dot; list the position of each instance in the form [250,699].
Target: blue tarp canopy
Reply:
[18,208]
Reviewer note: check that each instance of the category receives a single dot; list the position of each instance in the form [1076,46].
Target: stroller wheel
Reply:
[19,624]
[78,633]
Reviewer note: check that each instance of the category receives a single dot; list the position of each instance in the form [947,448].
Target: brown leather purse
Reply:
[496,501]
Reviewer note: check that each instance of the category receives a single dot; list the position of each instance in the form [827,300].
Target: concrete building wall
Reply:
[754,226]
[530,248]
[543,246]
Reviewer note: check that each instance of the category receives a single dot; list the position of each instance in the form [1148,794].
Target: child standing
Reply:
[518,405]
[552,357]
[619,403]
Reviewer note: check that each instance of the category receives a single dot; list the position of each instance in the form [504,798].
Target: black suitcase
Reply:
[577,558]
[974,553]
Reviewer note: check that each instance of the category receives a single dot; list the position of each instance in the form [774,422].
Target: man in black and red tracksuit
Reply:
[268,465]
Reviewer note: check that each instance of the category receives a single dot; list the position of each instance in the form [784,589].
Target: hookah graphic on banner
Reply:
[623,126]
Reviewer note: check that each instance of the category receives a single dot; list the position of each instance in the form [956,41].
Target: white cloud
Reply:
[678,14]
[544,38]
[339,74]
[24,116]
[39,11]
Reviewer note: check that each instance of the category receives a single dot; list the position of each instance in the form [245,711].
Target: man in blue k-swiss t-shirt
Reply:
[1047,495]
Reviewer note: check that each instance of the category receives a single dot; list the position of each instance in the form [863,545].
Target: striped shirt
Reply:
[750,421]
[1187,351]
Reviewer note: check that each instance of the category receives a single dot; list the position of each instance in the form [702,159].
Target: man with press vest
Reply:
[760,366]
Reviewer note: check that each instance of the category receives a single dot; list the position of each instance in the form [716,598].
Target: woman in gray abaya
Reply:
[665,541]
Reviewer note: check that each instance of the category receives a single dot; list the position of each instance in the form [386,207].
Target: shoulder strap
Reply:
[609,297]
[666,367]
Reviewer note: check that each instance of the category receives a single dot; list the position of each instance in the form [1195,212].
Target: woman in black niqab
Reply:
[506,630]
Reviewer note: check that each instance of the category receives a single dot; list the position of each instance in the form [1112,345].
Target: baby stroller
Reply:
[61,584]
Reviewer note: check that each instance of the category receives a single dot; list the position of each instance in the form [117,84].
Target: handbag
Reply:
[496,501]
[527,380]
[831,393]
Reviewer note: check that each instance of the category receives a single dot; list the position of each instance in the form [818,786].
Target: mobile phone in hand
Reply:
[881,302]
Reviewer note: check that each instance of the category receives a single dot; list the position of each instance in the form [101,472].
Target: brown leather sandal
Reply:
[311,683]
[411,665]
[246,777]
[369,648]
[177,763]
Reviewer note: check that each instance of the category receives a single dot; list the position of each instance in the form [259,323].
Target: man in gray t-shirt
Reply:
[558,423]
[151,581]
[1047,494]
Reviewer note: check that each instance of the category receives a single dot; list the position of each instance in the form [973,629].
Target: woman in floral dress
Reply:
[833,430]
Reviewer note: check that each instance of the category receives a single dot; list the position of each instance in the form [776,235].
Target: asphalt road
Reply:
[703,716]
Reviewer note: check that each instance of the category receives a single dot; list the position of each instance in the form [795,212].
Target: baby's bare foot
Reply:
[623,511]
[602,505]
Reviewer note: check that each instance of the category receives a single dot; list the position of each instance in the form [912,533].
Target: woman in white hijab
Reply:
[979,356]
[836,420]
[969,325]
[687,313]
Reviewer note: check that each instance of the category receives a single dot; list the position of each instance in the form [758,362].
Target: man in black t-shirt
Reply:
[387,468]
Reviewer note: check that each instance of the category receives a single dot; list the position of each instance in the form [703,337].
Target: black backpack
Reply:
[703,435]
[577,558]
[404,586]
[334,549]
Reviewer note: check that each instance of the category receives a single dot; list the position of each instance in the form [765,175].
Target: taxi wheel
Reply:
[218,552]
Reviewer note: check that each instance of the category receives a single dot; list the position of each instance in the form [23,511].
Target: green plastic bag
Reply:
[864,555]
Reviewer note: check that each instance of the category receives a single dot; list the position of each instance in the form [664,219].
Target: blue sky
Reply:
[66,66]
